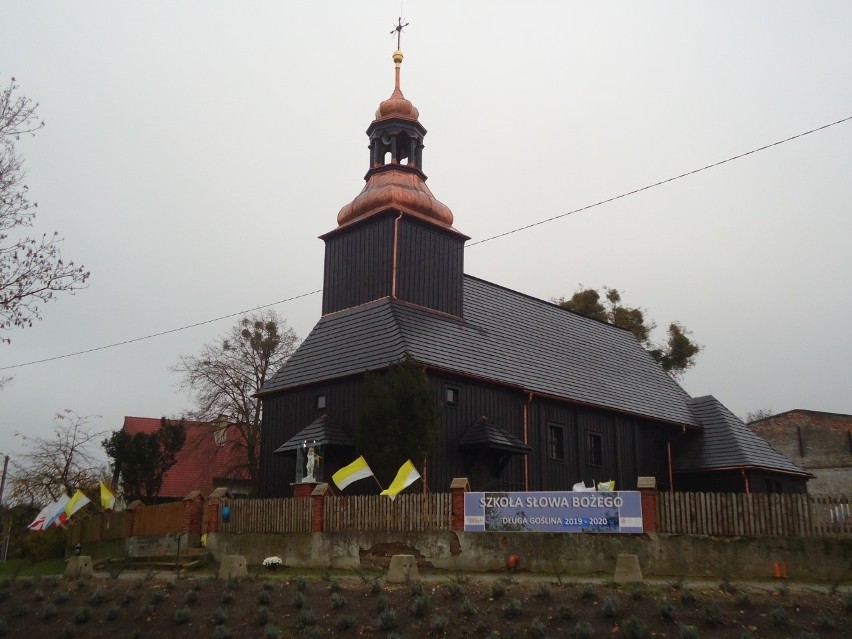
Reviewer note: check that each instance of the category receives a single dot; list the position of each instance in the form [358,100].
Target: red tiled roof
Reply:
[201,461]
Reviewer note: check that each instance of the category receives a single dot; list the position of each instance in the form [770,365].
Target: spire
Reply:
[395,179]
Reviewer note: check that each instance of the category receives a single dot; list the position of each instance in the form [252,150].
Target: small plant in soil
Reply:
[82,615]
[826,621]
[271,632]
[688,632]
[387,619]
[263,597]
[498,589]
[727,586]
[454,590]
[22,610]
[687,597]
[219,616]
[4,627]
[633,628]
[783,590]
[537,628]
[375,586]
[712,615]
[742,598]
[543,592]
[181,616]
[50,610]
[779,616]
[61,597]
[26,583]
[334,585]
[513,608]
[127,597]
[68,631]
[221,632]
[587,592]
[38,595]
[190,597]
[610,607]
[232,584]
[636,593]
[415,588]
[4,594]
[583,630]
[468,608]
[227,597]
[667,610]
[298,600]
[306,618]
[337,600]
[565,612]
[112,612]
[261,617]
[98,597]
[345,622]
[268,585]
[439,624]
[420,606]
[157,597]
[300,582]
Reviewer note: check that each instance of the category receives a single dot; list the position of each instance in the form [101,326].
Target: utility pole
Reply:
[3,481]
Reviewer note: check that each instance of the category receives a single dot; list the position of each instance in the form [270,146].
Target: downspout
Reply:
[395,253]
[745,479]
[527,440]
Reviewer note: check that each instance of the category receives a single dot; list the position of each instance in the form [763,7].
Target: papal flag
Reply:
[77,501]
[352,473]
[107,498]
[405,476]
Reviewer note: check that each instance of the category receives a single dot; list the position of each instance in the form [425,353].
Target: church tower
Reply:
[395,239]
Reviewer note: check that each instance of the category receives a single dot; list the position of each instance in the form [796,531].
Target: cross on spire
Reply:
[398,31]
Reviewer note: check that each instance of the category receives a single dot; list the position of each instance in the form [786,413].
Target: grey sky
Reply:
[194,151]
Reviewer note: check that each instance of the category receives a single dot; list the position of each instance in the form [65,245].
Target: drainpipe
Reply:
[527,440]
[671,465]
[745,480]
[395,255]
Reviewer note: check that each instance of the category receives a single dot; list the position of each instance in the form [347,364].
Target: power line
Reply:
[483,241]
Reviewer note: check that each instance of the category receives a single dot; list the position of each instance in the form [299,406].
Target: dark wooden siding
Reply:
[501,406]
[430,267]
[358,264]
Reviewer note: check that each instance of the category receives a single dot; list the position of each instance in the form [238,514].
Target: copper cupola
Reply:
[395,179]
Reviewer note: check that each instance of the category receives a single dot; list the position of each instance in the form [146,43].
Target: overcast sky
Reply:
[194,151]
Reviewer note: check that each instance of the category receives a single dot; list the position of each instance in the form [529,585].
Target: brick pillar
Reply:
[317,505]
[648,491]
[214,504]
[303,489]
[458,487]
[193,511]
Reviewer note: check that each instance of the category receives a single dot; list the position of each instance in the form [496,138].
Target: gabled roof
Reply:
[323,431]
[483,433]
[200,462]
[505,337]
[727,443]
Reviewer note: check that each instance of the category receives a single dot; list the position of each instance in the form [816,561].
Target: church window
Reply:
[556,442]
[320,401]
[452,396]
[595,447]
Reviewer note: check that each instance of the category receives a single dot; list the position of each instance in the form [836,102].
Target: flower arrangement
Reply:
[271,563]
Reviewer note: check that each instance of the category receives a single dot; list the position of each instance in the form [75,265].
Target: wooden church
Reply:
[531,396]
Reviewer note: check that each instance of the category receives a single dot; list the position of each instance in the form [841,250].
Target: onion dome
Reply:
[395,179]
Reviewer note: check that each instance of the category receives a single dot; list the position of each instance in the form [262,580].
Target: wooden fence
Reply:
[377,513]
[164,519]
[738,514]
[268,516]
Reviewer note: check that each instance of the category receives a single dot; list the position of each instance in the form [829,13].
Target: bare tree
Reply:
[62,463]
[32,270]
[226,375]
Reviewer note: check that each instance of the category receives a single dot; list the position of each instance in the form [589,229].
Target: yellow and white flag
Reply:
[405,476]
[77,501]
[359,469]
[107,498]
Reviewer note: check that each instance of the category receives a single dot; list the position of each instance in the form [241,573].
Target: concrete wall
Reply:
[659,555]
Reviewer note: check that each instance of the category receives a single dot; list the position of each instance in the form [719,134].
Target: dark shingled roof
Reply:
[323,431]
[727,443]
[485,434]
[506,337]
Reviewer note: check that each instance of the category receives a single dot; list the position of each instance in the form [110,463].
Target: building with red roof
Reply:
[213,456]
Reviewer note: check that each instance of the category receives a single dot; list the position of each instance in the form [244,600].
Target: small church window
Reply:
[452,396]
[320,402]
[595,443]
[556,442]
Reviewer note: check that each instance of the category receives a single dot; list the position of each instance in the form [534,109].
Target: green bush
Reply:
[221,632]
[610,607]
[712,615]
[298,600]
[48,544]
[345,622]
[337,600]
[667,610]
[543,592]
[190,597]
[455,590]
[687,597]
[633,628]
[300,582]
[49,610]
[468,609]
[375,586]
[565,612]
[61,596]
[688,632]
[537,628]
[439,624]
[587,592]
[387,619]
[261,618]
[498,589]
[583,630]
[271,632]
[513,608]
[415,588]
[227,597]
[263,598]
[98,597]
[112,612]
[181,616]
[82,615]
[779,617]
[306,618]
[157,597]
[420,606]
[219,616]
